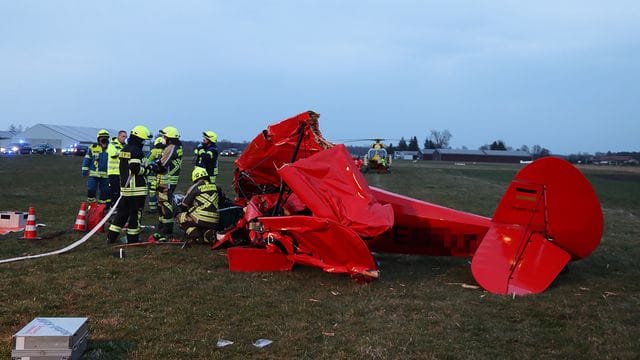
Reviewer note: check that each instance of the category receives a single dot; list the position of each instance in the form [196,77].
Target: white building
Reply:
[59,136]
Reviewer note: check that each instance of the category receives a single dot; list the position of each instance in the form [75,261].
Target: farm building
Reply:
[59,136]
[407,155]
[495,156]
[615,160]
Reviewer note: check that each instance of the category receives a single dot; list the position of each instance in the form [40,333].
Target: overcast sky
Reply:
[561,74]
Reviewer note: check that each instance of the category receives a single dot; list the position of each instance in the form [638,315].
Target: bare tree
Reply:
[538,151]
[438,139]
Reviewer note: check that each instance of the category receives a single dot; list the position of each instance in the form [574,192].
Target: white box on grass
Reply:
[51,338]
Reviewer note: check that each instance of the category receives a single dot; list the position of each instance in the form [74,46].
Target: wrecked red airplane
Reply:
[307,203]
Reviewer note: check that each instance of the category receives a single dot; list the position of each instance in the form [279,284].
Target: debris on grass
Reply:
[314,300]
[260,343]
[608,293]
[465,285]
[328,333]
[335,293]
[222,343]
[584,289]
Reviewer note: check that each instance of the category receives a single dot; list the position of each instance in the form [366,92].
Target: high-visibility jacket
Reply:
[113,150]
[155,153]
[170,164]
[201,202]
[132,172]
[207,158]
[95,162]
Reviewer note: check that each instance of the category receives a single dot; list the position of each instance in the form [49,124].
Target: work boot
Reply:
[209,236]
[167,229]
[132,239]
[159,237]
[112,237]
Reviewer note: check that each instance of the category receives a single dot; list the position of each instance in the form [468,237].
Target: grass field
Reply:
[168,303]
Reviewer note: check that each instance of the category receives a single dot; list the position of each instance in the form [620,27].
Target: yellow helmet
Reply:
[102,133]
[159,140]
[213,137]
[170,132]
[198,172]
[141,132]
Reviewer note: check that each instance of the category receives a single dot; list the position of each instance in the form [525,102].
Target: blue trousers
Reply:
[95,183]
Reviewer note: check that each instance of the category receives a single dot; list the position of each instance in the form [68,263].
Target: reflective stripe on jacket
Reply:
[132,173]
[114,161]
[96,161]
[201,202]
[171,163]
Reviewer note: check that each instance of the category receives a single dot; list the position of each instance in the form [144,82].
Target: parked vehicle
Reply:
[79,150]
[43,149]
[16,148]
[230,152]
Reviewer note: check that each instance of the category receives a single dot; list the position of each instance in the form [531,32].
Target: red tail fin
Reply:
[548,216]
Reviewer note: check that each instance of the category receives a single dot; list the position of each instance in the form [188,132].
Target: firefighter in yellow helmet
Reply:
[133,186]
[152,179]
[113,169]
[169,166]
[94,165]
[200,218]
[207,154]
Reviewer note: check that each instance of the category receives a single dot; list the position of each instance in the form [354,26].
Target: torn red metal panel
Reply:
[274,147]
[325,244]
[333,188]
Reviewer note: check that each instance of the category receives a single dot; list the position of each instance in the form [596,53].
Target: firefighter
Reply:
[152,179]
[169,166]
[94,165]
[133,187]
[207,154]
[113,169]
[199,216]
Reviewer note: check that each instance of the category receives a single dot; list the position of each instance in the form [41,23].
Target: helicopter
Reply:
[377,158]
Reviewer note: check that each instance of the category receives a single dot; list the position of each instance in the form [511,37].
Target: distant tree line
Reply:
[437,139]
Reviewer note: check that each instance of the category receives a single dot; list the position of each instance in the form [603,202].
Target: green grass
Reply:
[167,303]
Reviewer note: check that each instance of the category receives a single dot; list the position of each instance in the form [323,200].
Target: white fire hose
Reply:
[72,246]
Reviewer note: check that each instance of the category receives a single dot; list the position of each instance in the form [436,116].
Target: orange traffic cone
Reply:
[30,232]
[81,219]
